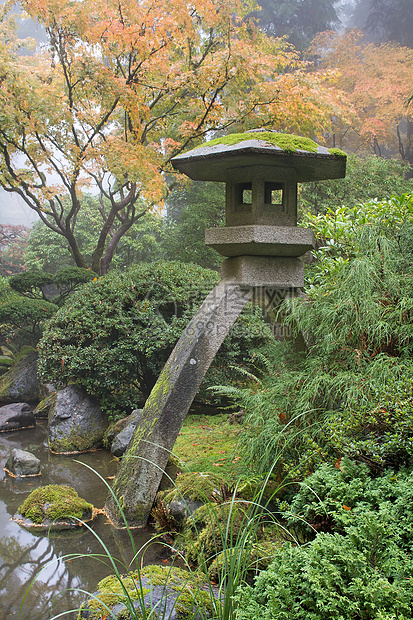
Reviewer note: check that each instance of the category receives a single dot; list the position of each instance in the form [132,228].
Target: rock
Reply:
[45,406]
[16,416]
[122,439]
[181,509]
[53,507]
[167,592]
[76,422]
[21,382]
[21,463]
[115,429]
[237,417]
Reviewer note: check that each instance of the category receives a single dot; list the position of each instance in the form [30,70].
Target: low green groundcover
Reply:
[363,575]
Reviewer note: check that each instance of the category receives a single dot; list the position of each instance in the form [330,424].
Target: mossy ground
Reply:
[207,444]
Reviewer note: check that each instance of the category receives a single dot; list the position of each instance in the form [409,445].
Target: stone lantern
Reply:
[262,245]
[261,170]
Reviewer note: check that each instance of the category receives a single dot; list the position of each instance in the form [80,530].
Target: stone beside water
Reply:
[16,416]
[76,422]
[21,463]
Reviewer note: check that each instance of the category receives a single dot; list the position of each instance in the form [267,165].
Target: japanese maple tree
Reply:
[377,79]
[13,242]
[122,87]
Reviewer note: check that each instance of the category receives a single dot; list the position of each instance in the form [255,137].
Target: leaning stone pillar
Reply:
[143,464]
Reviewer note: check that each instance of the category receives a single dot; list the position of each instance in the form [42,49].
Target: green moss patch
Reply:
[77,441]
[175,577]
[112,591]
[285,141]
[190,601]
[143,590]
[54,503]
[337,152]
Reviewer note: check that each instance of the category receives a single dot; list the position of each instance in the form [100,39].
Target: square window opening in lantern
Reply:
[274,194]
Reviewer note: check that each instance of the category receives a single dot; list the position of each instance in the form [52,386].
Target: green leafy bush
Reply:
[362,575]
[30,283]
[25,304]
[23,317]
[334,497]
[349,391]
[116,333]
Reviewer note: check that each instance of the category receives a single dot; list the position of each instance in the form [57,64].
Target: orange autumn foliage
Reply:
[377,80]
[122,87]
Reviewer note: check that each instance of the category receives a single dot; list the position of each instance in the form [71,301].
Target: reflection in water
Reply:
[23,555]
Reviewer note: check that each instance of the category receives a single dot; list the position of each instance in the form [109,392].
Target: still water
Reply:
[59,581]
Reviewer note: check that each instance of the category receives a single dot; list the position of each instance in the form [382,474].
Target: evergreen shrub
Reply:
[115,334]
[361,575]
[335,496]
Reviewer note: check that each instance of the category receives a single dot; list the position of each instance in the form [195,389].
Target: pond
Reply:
[59,582]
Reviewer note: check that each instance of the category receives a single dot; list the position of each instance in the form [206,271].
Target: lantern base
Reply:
[273,271]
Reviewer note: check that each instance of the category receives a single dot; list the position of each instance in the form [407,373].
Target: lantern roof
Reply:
[215,160]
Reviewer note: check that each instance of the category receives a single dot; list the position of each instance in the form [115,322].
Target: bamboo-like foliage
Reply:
[350,392]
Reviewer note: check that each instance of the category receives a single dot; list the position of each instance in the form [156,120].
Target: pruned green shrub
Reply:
[29,283]
[26,305]
[334,497]
[23,317]
[116,333]
[68,280]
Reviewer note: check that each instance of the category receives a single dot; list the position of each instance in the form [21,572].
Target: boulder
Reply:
[122,439]
[180,509]
[21,382]
[52,508]
[16,416]
[45,406]
[21,463]
[76,422]
[154,592]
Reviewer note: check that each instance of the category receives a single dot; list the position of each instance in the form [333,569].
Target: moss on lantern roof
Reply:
[338,152]
[289,143]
